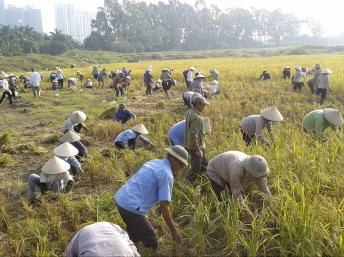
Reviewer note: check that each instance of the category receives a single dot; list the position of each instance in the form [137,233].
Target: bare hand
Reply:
[176,236]
[199,154]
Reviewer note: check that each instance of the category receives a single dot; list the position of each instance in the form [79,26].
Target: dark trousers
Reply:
[198,166]
[297,86]
[4,95]
[217,189]
[95,76]
[82,149]
[247,138]
[310,84]
[148,89]
[60,81]
[139,228]
[188,84]
[322,92]
[119,91]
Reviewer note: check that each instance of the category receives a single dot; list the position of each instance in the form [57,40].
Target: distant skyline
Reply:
[328,14]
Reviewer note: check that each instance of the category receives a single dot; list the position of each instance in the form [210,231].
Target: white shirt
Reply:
[72,80]
[59,75]
[214,88]
[189,76]
[63,178]
[35,79]
[4,85]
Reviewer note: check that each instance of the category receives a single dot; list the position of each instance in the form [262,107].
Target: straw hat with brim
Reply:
[287,67]
[141,129]
[215,82]
[159,81]
[66,150]
[200,76]
[192,68]
[334,117]
[55,166]
[326,71]
[148,69]
[179,153]
[271,114]
[70,137]
[78,117]
[200,100]
[256,166]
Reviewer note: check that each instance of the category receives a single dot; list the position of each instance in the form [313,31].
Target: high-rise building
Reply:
[73,22]
[15,16]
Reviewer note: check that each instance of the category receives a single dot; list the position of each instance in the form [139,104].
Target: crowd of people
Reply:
[153,183]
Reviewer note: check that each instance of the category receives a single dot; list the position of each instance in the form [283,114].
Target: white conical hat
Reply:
[334,117]
[192,68]
[55,166]
[271,114]
[70,137]
[78,117]
[66,150]
[326,71]
[140,128]
[215,82]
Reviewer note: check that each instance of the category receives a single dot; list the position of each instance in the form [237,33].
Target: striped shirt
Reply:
[102,239]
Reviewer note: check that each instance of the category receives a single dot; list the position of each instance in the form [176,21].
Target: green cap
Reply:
[256,166]
[179,152]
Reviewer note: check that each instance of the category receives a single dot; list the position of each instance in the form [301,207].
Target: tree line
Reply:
[129,26]
[19,40]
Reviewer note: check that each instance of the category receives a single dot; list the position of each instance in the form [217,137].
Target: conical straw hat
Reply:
[334,117]
[140,128]
[70,137]
[326,71]
[192,68]
[66,150]
[55,166]
[271,114]
[78,117]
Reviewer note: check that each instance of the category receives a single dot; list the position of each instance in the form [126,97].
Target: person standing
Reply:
[151,184]
[235,169]
[316,76]
[35,81]
[148,80]
[101,239]
[286,72]
[95,72]
[102,77]
[253,125]
[60,78]
[214,74]
[194,139]
[5,89]
[323,84]
[12,81]
[188,76]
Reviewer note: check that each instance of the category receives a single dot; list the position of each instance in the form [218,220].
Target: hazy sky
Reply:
[328,13]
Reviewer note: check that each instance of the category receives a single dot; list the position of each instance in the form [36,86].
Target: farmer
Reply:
[101,239]
[198,83]
[166,86]
[5,89]
[54,177]
[79,76]
[75,122]
[74,139]
[25,80]
[318,121]
[126,82]
[166,74]
[214,74]
[147,78]
[52,76]
[72,81]
[102,77]
[323,84]
[214,88]
[128,138]
[188,97]
[194,139]
[95,72]
[151,184]
[176,133]
[236,169]
[253,125]
[298,79]
[157,86]
[89,83]
[60,78]
[35,81]
[117,84]
[123,115]
[125,71]
[316,76]
[286,72]
[265,75]
[12,81]
[188,76]
[67,152]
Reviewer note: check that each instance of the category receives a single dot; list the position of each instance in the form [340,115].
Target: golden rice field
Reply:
[305,216]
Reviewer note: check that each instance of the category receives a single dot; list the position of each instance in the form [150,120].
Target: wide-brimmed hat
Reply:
[140,128]
[256,166]
[215,82]
[200,75]
[200,100]
[179,152]
[317,66]
[70,137]
[55,166]
[334,117]
[192,68]
[159,81]
[66,150]
[287,67]
[78,117]
[326,71]
[271,114]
